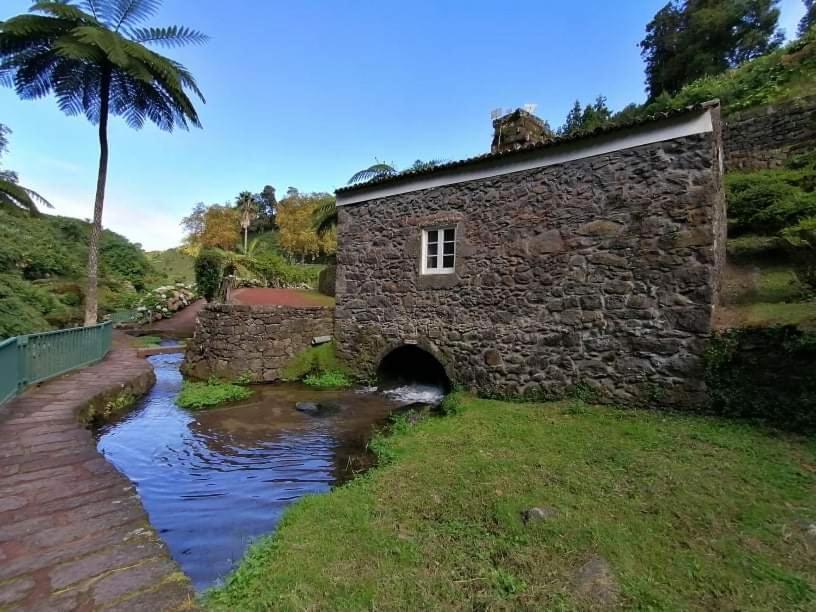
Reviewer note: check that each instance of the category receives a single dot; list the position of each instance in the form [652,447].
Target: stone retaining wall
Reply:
[765,137]
[259,341]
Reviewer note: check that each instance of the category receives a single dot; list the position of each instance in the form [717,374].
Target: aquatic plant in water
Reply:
[198,395]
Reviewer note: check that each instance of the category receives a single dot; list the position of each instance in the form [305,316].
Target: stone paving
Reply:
[73,533]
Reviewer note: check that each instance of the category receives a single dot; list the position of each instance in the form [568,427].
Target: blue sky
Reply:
[306,93]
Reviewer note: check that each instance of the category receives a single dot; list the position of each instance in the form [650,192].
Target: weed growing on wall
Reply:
[313,361]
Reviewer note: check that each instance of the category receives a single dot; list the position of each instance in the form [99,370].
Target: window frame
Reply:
[440,269]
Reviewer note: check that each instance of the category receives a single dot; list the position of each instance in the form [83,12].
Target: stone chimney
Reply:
[517,130]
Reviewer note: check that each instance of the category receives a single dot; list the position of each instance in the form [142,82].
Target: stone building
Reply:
[584,262]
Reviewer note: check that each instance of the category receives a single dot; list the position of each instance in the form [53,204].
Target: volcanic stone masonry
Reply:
[234,340]
[767,136]
[600,272]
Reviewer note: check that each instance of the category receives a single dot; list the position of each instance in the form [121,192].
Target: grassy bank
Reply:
[689,513]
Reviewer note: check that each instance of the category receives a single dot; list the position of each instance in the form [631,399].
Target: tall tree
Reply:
[194,225]
[246,205]
[267,204]
[689,39]
[222,228]
[92,56]
[11,192]
[592,116]
[573,120]
[296,215]
[809,18]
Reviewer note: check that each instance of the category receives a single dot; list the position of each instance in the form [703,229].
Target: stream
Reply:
[212,481]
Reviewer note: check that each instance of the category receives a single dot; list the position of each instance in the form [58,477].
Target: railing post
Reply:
[22,369]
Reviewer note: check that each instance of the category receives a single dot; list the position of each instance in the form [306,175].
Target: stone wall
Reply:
[765,137]
[600,272]
[233,340]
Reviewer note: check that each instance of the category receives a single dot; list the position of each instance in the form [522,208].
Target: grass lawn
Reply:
[691,513]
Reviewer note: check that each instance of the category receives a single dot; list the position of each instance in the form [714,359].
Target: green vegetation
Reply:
[691,513]
[761,314]
[314,360]
[100,412]
[277,272]
[332,379]
[752,247]
[173,264]
[42,277]
[209,270]
[764,373]
[198,395]
[767,201]
[147,341]
[689,39]
[784,74]
[778,207]
[800,239]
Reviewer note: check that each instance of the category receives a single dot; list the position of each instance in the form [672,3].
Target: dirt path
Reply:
[180,325]
[73,533]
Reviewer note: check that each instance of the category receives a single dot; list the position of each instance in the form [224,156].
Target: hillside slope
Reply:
[42,262]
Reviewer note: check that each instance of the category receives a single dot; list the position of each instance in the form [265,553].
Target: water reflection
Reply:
[213,481]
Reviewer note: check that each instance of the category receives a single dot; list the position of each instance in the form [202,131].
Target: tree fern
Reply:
[325,217]
[378,170]
[93,57]
[11,193]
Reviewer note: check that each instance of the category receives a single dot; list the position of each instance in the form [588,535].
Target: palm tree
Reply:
[11,193]
[246,204]
[92,56]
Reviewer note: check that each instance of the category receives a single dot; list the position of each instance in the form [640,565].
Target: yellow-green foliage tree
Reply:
[295,217]
[222,228]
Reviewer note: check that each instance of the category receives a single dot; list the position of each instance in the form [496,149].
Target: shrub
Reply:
[26,308]
[800,241]
[209,270]
[452,403]
[767,201]
[787,211]
[327,280]
[332,379]
[764,373]
[198,395]
[749,195]
[277,272]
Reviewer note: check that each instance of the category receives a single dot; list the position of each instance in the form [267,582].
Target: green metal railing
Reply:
[123,316]
[25,360]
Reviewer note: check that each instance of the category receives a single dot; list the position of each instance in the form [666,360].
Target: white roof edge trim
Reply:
[649,133]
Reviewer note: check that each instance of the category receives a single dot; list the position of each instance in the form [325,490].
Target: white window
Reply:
[439,250]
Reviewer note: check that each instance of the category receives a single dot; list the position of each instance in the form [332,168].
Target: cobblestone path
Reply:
[73,533]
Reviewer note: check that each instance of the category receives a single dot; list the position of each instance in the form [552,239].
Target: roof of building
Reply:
[555,142]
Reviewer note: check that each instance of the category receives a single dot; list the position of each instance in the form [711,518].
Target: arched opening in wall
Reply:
[413,374]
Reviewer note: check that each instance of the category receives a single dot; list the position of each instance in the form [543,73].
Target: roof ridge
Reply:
[558,140]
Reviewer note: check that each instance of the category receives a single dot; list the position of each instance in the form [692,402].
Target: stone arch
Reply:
[413,363]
